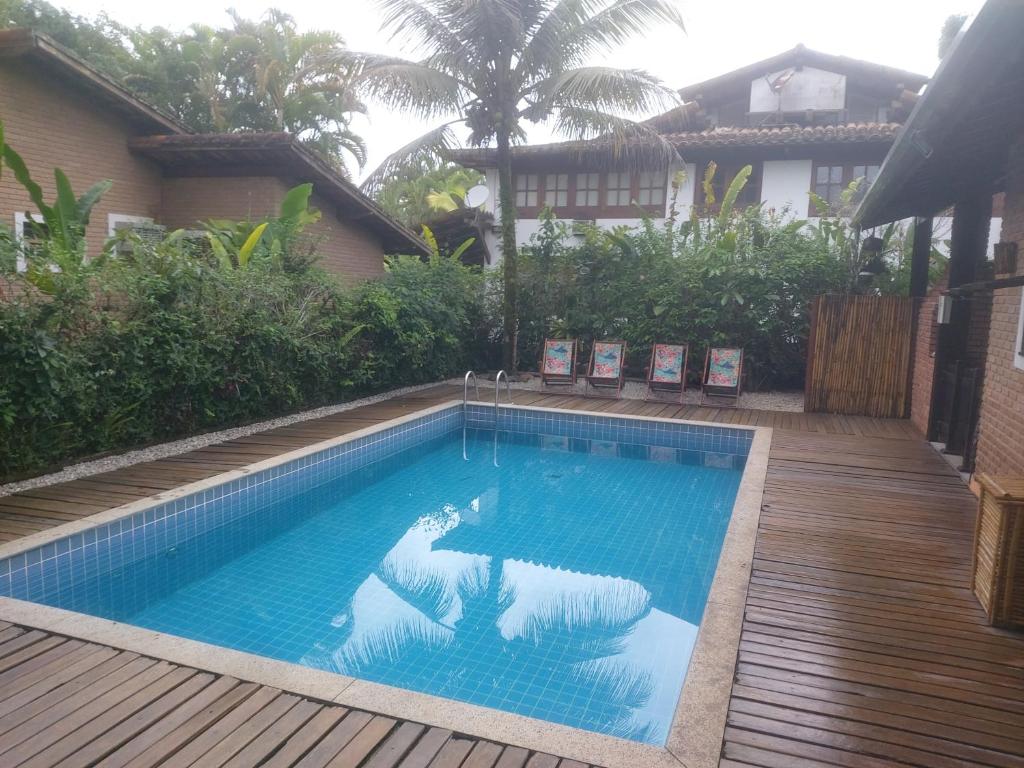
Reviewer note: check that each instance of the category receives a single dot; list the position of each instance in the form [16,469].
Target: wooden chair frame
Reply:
[729,393]
[596,382]
[662,386]
[548,379]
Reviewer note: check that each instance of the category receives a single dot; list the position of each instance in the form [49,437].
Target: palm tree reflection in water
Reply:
[560,650]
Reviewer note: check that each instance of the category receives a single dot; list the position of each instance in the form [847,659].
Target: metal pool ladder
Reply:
[465,390]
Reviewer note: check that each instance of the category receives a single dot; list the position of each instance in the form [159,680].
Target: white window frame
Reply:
[20,219]
[113,219]
[1018,350]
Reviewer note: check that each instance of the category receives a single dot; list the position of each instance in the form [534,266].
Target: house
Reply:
[804,120]
[964,142]
[58,111]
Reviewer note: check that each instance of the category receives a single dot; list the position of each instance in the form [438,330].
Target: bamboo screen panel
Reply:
[858,356]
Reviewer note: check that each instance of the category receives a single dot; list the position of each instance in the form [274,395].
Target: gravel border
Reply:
[163,450]
[633,390]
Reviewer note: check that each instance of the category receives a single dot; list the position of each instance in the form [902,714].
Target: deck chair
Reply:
[667,371]
[723,371]
[607,368]
[558,364]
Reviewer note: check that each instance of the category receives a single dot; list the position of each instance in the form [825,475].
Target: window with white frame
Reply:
[1018,356]
[618,191]
[652,188]
[526,190]
[28,230]
[586,190]
[556,190]
[117,221]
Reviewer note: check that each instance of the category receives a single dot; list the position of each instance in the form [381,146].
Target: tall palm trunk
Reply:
[507,206]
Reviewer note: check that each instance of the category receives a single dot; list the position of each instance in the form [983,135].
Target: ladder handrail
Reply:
[508,390]
[465,390]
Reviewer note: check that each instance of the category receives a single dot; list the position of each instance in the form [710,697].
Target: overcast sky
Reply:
[720,36]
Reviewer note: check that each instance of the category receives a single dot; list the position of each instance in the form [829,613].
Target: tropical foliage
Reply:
[421,191]
[722,277]
[494,67]
[250,75]
[153,340]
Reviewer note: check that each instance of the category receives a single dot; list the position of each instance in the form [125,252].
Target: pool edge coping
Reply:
[708,681]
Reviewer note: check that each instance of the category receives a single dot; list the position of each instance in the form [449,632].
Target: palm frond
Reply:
[574,30]
[436,143]
[604,88]
[617,140]
[403,84]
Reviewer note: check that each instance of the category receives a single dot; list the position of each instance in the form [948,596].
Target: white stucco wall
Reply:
[785,184]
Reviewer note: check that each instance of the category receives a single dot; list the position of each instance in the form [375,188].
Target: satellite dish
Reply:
[477,196]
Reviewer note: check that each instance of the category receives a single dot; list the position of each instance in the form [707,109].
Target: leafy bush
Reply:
[161,343]
[742,279]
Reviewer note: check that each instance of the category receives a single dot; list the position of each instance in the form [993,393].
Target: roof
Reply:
[50,55]
[280,155]
[955,143]
[712,138]
[803,56]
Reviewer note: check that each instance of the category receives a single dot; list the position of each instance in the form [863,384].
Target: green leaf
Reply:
[250,244]
[296,201]
[465,246]
[85,204]
[35,192]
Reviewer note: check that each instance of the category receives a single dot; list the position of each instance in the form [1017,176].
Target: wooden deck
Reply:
[861,644]
[69,703]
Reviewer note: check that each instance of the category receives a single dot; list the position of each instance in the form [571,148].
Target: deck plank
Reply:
[861,642]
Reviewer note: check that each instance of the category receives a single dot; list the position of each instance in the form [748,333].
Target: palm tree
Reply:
[496,65]
[296,82]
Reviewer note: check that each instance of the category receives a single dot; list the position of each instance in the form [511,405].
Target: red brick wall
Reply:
[52,125]
[1001,430]
[346,249]
[923,361]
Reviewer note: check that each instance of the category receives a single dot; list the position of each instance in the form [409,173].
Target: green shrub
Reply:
[745,280]
[162,343]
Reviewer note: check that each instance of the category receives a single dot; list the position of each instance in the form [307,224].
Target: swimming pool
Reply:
[556,568]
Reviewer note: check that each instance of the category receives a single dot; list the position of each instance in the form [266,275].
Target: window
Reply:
[29,230]
[586,190]
[116,221]
[526,190]
[618,192]
[831,180]
[556,190]
[749,195]
[652,188]
[828,183]
[1018,359]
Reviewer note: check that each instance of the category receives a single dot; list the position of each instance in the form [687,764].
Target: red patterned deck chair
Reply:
[723,371]
[607,368]
[667,371]
[558,364]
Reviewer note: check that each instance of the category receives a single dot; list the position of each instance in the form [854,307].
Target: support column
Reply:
[920,258]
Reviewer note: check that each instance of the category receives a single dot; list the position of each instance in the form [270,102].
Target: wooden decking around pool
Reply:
[861,646]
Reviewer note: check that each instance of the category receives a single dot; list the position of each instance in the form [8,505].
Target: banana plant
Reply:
[435,248]
[234,243]
[60,227]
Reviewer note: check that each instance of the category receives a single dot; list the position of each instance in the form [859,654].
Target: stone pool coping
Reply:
[698,725]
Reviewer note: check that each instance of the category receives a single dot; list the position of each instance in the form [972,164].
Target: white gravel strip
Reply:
[95,467]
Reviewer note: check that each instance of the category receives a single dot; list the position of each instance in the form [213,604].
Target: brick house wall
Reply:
[1001,429]
[926,341]
[53,125]
[349,251]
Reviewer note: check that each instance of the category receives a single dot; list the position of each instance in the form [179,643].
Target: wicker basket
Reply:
[998,568]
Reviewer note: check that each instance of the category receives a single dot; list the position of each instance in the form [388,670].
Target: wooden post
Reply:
[920,257]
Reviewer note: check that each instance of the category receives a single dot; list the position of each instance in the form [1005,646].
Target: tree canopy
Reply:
[263,74]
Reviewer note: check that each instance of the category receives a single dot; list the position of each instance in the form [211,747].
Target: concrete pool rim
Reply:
[698,725]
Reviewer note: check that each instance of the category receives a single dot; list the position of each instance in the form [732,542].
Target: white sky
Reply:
[720,36]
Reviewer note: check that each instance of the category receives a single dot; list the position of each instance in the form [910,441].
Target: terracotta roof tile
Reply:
[785,134]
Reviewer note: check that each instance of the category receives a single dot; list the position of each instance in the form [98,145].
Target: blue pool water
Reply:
[551,576]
